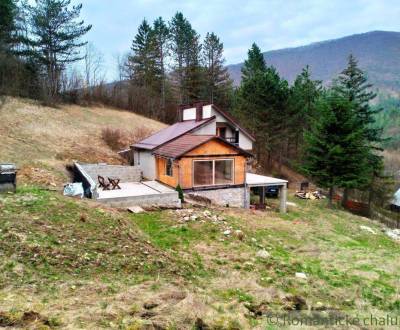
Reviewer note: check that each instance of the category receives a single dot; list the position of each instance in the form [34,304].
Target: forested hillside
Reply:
[378,53]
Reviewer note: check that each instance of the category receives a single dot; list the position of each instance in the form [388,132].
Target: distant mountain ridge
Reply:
[378,53]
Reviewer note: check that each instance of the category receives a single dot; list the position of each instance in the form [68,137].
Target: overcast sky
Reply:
[272,24]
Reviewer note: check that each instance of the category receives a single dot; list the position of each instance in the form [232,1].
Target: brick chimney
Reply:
[199,110]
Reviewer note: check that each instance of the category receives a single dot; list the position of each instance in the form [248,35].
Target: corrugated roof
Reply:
[188,142]
[169,133]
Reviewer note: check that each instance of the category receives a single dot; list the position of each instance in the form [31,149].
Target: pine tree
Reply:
[353,85]
[303,96]
[142,63]
[161,37]
[186,50]
[218,85]
[335,154]
[8,13]
[56,34]
[262,105]
[254,63]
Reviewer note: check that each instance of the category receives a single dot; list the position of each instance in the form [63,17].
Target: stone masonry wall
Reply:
[125,173]
[234,197]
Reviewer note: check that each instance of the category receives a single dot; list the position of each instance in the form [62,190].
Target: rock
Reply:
[239,234]
[393,234]
[135,209]
[193,217]
[369,229]
[186,218]
[227,232]
[263,254]
[301,276]
[207,213]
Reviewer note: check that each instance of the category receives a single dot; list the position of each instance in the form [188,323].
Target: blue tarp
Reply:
[396,199]
[74,189]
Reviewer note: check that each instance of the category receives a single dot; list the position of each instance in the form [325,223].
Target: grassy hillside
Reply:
[68,263]
[42,140]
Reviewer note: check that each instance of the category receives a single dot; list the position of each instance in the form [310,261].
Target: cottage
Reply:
[207,153]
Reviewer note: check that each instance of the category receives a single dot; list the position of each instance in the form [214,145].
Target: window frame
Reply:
[213,160]
[169,161]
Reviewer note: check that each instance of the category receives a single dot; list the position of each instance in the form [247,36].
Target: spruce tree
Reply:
[185,48]
[142,62]
[335,154]
[56,32]
[254,63]
[303,96]
[218,85]
[8,13]
[262,105]
[161,36]
[352,84]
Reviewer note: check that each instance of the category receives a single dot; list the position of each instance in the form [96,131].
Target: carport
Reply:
[261,181]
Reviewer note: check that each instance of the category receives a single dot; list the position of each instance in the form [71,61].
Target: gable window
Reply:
[212,172]
[168,167]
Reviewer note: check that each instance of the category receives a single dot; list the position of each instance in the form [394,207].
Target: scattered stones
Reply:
[368,229]
[186,215]
[302,276]
[263,254]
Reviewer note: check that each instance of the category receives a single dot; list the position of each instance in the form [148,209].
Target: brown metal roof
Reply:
[182,145]
[169,133]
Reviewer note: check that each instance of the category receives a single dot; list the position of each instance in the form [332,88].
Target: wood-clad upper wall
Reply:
[183,168]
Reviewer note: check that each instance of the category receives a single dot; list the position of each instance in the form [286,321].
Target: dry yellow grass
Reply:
[53,137]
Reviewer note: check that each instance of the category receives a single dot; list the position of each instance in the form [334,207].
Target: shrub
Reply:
[180,192]
[118,139]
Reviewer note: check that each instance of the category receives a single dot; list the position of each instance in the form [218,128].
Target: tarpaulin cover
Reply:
[74,189]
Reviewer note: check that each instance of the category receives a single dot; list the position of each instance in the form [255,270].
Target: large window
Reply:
[212,172]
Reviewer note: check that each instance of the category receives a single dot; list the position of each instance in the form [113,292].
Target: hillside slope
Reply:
[70,264]
[378,53]
[39,138]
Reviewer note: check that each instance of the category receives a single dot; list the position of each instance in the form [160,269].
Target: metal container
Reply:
[8,178]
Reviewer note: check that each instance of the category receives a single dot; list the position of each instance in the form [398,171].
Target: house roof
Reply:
[234,121]
[182,145]
[169,133]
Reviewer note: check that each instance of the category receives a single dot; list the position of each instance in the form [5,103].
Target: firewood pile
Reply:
[309,195]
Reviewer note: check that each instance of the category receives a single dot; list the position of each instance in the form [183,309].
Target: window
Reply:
[212,172]
[223,171]
[203,172]
[168,167]
[221,132]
